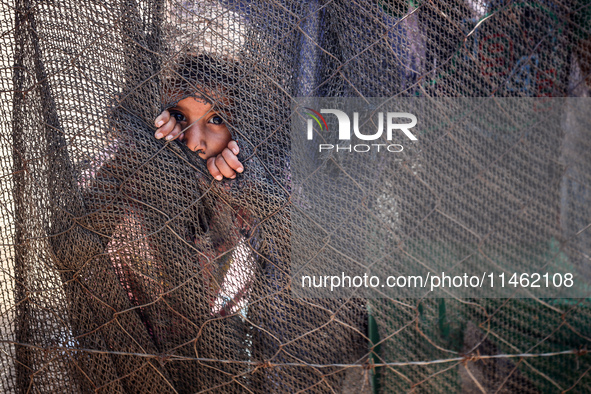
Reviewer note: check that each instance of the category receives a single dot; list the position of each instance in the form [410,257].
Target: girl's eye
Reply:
[216,120]
[178,116]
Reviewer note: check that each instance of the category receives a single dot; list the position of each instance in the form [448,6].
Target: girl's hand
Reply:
[168,128]
[225,164]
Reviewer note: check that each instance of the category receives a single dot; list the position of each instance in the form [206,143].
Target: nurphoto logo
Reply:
[394,124]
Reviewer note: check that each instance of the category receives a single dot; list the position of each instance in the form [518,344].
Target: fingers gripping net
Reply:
[127,268]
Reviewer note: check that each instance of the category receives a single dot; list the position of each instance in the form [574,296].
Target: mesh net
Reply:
[127,268]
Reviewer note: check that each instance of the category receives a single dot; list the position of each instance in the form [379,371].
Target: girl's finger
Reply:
[232,160]
[213,170]
[162,118]
[224,168]
[233,146]
[176,131]
[166,129]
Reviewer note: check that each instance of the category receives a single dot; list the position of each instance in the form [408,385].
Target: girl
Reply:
[194,121]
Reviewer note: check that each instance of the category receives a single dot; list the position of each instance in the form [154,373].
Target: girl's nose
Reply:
[194,138]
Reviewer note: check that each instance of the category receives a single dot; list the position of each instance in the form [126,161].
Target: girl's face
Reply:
[204,130]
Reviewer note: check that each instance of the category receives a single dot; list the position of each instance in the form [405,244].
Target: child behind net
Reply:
[188,276]
[201,94]
[183,249]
